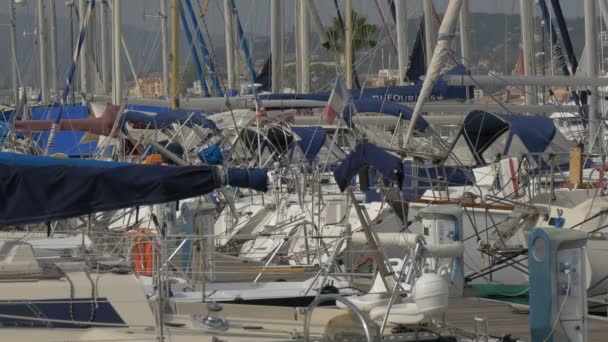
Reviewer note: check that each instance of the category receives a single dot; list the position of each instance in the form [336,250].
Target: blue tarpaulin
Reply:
[482,129]
[406,174]
[6,115]
[211,155]
[34,193]
[311,140]
[366,154]
[65,142]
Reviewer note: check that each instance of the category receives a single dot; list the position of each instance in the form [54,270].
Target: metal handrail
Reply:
[337,298]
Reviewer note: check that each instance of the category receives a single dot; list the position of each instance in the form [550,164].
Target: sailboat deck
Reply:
[504,318]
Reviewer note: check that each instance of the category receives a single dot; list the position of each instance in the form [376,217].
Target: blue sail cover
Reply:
[441,91]
[410,93]
[311,140]
[366,154]
[412,178]
[6,115]
[66,142]
[383,107]
[34,193]
[482,129]
[162,119]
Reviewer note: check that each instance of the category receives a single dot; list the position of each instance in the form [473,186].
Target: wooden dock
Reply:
[505,319]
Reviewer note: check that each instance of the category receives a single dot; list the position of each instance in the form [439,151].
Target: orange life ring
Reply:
[142,246]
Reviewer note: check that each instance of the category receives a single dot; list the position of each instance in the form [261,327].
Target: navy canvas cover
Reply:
[383,107]
[481,129]
[65,142]
[311,140]
[31,193]
[366,154]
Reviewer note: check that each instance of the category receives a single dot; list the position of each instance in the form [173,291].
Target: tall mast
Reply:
[230,47]
[429,30]
[465,28]
[174,54]
[298,39]
[604,11]
[276,44]
[13,24]
[164,47]
[84,57]
[44,87]
[596,136]
[117,39]
[304,30]
[348,43]
[53,28]
[103,14]
[402,48]
[527,36]
[440,54]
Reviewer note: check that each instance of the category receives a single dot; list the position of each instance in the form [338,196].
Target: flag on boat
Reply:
[519,66]
[261,113]
[338,100]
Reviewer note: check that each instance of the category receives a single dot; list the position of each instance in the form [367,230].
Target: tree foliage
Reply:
[363,34]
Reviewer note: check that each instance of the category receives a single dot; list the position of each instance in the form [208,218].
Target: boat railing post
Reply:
[348,231]
[414,257]
[552,179]
[327,267]
[306,246]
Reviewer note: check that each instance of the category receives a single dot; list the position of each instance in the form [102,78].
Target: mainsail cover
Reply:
[100,126]
[366,154]
[37,193]
[378,106]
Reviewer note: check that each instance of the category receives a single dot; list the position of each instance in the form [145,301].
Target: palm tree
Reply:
[363,34]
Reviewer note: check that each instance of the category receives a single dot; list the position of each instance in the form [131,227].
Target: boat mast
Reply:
[84,60]
[596,136]
[104,46]
[304,29]
[229,32]
[44,88]
[440,54]
[348,43]
[298,39]
[604,11]
[429,30]
[276,44]
[402,48]
[174,54]
[164,47]
[465,46]
[13,25]
[53,28]
[117,39]
[465,28]
[527,37]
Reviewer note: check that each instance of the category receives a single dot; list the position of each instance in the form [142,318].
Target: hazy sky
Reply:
[254,14]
